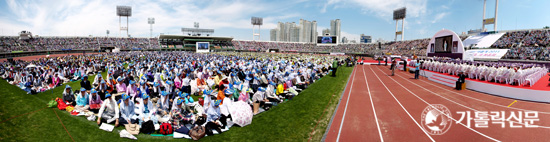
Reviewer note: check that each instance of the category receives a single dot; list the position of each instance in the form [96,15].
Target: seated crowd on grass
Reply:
[157,86]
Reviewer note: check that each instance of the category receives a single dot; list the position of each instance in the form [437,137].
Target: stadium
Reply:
[306,83]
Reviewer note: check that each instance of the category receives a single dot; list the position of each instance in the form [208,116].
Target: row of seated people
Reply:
[509,73]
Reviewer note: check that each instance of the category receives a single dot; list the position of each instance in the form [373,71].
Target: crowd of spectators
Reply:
[525,45]
[13,43]
[416,47]
[510,39]
[410,47]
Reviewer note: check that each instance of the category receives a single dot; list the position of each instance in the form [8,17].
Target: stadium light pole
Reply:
[256,21]
[400,14]
[151,21]
[483,22]
[123,11]
[496,13]
[490,21]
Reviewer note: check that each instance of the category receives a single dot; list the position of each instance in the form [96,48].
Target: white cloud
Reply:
[83,18]
[329,2]
[439,17]
[383,8]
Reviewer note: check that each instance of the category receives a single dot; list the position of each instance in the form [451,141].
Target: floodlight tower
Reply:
[151,21]
[123,11]
[399,14]
[256,21]
[489,21]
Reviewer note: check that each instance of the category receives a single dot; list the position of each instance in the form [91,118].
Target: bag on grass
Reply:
[52,103]
[61,105]
[95,106]
[183,130]
[197,132]
[165,129]
[148,127]
[132,128]
[68,108]
[201,119]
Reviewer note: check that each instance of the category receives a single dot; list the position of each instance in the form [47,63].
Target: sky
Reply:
[231,18]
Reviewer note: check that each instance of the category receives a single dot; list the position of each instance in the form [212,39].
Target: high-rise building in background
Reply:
[335,28]
[305,31]
[273,35]
[314,34]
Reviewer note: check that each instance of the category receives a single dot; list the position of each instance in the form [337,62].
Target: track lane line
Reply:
[400,104]
[432,106]
[372,104]
[346,107]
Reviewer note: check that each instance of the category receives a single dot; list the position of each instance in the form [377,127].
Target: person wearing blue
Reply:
[179,96]
[188,100]
[148,110]
[163,107]
[225,107]
[85,83]
[178,114]
[128,116]
[213,115]
[417,69]
[68,96]
[82,100]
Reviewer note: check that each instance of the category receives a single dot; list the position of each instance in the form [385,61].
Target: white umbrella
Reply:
[32,66]
[241,113]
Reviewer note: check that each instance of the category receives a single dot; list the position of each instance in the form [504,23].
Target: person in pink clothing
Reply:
[94,101]
[177,81]
[120,86]
[55,80]
[132,89]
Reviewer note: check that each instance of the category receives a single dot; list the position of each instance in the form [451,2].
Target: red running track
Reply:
[379,107]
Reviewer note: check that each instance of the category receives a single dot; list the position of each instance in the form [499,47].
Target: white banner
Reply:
[337,54]
[484,54]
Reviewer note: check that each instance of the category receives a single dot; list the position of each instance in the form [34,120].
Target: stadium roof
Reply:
[196,38]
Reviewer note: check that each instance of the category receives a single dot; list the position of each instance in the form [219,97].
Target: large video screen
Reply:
[327,39]
[443,44]
[203,46]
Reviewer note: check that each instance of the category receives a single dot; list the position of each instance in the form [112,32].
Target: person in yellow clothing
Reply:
[280,89]
[218,78]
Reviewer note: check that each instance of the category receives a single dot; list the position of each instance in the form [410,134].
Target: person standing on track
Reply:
[460,80]
[385,60]
[405,65]
[334,67]
[417,69]
[393,66]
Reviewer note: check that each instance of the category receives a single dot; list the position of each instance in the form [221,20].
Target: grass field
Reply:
[25,117]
